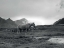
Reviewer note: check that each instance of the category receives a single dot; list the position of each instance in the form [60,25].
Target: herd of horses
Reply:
[27,27]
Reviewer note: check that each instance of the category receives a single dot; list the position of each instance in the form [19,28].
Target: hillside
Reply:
[59,22]
[7,23]
[11,23]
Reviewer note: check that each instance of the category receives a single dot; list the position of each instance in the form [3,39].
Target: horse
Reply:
[26,27]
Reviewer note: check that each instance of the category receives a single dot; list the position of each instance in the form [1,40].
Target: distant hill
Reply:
[7,23]
[21,22]
[59,22]
[11,23]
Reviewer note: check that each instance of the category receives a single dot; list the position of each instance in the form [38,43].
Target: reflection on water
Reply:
[56,40]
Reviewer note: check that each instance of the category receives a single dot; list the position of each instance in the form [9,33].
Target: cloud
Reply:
[47,9]
[37,20]
[62,4]
[28,7]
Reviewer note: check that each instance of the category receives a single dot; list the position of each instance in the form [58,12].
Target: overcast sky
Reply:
[38,11]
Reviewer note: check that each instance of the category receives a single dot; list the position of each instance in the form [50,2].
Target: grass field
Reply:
[29,40]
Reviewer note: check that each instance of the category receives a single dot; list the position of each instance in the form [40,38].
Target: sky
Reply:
[41,12]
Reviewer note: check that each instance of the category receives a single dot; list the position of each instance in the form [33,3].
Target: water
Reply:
[56,40]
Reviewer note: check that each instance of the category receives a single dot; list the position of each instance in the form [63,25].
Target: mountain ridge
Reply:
[8,23]
[59,22]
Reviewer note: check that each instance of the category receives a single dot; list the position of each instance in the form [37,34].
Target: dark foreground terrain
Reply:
[33,39]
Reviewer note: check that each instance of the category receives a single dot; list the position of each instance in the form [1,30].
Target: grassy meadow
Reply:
[32,39]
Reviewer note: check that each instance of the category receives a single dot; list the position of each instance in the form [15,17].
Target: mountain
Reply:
[7,23]
[2,22]
[59,22]
[21,22]
[11,23]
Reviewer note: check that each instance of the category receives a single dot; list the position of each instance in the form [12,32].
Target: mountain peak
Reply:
[22,21]
[8,23]
[9,19]
[1,18]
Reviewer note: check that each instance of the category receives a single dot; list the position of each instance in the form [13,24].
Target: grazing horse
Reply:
[26,27]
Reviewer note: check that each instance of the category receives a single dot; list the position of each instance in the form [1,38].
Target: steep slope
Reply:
[59,22]
[11,23]
[21,22]
[7,23]
[2,22]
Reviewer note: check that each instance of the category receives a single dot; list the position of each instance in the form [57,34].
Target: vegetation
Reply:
[29,35]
